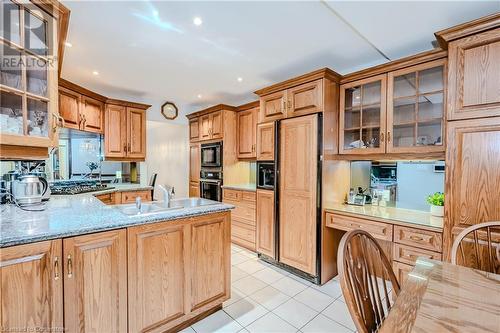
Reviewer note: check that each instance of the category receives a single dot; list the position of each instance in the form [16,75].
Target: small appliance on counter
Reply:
[29,190]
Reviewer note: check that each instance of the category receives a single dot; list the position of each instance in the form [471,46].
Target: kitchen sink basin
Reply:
[159,207]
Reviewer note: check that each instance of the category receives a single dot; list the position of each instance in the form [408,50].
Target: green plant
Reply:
[436,199]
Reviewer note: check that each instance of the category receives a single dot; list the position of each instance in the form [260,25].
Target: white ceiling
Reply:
[151,52]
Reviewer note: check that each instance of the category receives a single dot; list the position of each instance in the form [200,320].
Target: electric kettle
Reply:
[29,190]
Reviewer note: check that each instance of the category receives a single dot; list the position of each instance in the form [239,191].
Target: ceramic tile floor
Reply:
[266,299]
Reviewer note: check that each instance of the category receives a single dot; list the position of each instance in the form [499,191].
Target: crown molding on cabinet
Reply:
[211,109]
[248,106]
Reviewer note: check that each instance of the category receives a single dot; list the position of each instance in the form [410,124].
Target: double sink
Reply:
[159,206]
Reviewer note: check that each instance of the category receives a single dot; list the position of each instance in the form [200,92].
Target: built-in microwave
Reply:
[211,155]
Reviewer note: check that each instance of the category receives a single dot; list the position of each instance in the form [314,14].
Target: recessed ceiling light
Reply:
[240,79]
[68,44]
[156,13]
[95,72]
[197,21]
[200,95]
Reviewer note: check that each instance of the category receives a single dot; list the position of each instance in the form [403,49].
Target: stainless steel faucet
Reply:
[168,193]
[138,203]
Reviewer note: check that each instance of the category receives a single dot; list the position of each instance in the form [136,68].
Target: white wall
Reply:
[167,154]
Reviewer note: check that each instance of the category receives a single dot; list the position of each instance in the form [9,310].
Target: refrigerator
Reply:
[297,216]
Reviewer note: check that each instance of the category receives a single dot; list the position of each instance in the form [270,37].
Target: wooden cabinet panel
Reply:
[418,238]
[363,116]
[247,127]
[156,276]
[297,222]
[92,114]
[243,234]
[216,129]
[401,271]
[379,230]
[194,162]
[416,108]
[95,282]
[205,127]
[210,260]
[69,108]
[194,189]
[31,286]
[472,183]
[265,142]
[265,223]
[194,129]
[272,106]
[115,131]
[474,76]
[409,255]
[136,133]
[130,196]
[232,195]
[108,198]
[305,98]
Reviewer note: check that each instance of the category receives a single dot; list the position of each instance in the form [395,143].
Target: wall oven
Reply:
[211,155]
[211,185]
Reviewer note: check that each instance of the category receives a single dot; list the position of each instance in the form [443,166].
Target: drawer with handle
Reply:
[129,197]
[409,255]
[378,230]
[423,239]
[232,195]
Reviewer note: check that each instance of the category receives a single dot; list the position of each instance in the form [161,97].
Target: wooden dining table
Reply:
[441,297]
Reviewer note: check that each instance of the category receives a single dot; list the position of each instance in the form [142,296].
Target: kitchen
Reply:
[128,210]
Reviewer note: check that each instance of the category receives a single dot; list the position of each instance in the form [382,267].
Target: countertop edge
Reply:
[246,188]
[386,220]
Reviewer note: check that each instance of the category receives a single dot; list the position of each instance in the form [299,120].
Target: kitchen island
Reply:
[112,272]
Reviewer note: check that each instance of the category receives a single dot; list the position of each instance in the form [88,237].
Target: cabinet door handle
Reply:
[388,136]
[70,267]
[381,137]
[125,147]
[63,122]
[56,268]
[416,238]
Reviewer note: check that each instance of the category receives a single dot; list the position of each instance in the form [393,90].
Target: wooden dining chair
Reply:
[479,247]
[364,271]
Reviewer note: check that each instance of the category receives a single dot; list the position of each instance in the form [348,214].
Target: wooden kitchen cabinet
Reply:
[265,223]
[416,108]
[474,76]
[92,115]
[31,288]
[181,267]
[243,218]
[472,184]
[125,133]
[272,107]
[305,99]
[95,282]
[107,198]
[363,116]
[115,131]
[247,127]
[136,133]
[130,196]
[298,194]
[194,129]
[265,141]
[194,169]
[69,107]
[211,126]
[80,111]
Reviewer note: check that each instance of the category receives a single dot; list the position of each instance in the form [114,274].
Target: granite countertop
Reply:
[70,215]
[396,215]
[241,187]
[122,187]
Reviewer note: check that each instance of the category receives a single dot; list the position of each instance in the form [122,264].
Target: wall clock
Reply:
[169,110]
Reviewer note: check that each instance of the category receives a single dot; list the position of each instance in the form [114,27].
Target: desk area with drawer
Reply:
[402,241]
[243,216]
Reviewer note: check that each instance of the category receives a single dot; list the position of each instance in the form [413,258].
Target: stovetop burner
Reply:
[76,187]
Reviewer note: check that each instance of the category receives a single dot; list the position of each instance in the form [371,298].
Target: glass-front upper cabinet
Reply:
[362,116]
[415,111]
[28,74]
